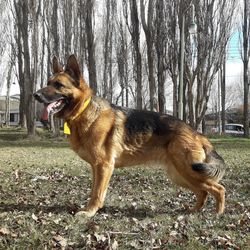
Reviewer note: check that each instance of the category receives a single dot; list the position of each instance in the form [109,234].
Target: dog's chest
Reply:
[81,147]
[82,152]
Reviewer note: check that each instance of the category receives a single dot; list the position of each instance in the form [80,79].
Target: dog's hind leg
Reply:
[218,191]
[182,174]
[187,182]
[201,197]
[215,189]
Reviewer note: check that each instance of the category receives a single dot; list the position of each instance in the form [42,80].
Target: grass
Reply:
[43,182]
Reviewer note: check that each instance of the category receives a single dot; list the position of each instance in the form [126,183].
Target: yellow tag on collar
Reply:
[66,129]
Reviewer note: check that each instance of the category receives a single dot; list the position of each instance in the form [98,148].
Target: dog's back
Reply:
[188,156]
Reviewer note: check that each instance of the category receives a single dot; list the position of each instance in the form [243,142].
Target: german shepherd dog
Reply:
[107,137]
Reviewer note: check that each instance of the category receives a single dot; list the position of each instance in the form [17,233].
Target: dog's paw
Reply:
[190,209]
[85,213]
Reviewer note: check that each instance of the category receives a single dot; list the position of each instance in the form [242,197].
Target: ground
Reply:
[42,182]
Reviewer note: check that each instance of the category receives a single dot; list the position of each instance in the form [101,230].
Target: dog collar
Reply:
[66,128]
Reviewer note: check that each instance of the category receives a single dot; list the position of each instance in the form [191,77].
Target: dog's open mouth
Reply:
[54,107]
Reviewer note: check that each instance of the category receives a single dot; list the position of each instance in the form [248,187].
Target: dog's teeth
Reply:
[55,106]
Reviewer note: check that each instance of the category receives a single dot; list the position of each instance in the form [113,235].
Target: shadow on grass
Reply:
[7,135]
[127,211]
[34,143]
[140,212]
[12,137]
[33,208]
[12,140]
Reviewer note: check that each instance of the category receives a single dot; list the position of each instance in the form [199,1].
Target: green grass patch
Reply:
[42,181]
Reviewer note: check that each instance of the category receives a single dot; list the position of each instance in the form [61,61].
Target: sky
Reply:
[234,65]
[234,71]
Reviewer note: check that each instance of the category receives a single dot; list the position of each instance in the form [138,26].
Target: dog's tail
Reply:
[214,166]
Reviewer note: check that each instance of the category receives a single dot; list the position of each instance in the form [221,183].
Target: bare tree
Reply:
[134,30]
[55,123]
[28,81]
[7,101]
[246,55]
[149,33]
[89,8]
[43,20]
[80,21]
[213,32]
[204,51]
[68,29]
[122,57]
[49,38]
[172,59]
[223,94]
[54,29]
[160,47]
[3,30]
[109,26]
[126,53]
[17,14]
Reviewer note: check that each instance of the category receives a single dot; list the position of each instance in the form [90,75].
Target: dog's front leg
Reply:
[101,177]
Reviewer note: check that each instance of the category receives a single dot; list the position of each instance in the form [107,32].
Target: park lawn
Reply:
[42,182]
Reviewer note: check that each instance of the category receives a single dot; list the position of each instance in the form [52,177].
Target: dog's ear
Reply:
[73,69]
[56,66]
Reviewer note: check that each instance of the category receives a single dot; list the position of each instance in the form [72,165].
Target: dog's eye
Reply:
[58,85]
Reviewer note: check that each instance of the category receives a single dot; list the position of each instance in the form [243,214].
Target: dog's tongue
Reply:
[49,108]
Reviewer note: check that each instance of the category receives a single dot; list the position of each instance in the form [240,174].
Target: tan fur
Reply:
[99,137]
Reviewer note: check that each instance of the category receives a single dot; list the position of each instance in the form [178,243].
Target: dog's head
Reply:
[65,91]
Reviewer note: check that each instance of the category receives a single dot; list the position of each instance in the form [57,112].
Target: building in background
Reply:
[14,110]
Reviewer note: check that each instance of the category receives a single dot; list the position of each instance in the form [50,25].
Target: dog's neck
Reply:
[66,127]
[81,109]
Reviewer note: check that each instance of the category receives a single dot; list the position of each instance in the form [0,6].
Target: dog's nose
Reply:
[37,96]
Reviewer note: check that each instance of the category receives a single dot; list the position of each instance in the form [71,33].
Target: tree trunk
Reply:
[172,39]
[7,101]
[122,61]
[54,29]
[135,34]
[223,95]
[175,96]
[67,27]
[28,83]
[43,50]
[48,43]
[55,123]
[89,8]
[148,30]
[35,10]
[106,49]
[160,47]
[82,34]
[246,33]
[18,38]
